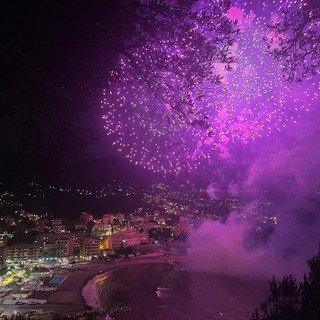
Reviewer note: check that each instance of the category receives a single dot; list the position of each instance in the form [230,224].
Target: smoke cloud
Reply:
[279,227]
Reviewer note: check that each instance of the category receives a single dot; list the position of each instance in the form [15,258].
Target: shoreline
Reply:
[90,292]
[233,297]
[71,297]
[69,293]
[83,290]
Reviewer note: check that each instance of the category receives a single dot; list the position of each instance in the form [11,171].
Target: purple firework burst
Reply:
[166,120]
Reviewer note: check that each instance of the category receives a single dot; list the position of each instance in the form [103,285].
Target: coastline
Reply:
[90,292]
[69,293]
[79,292]
[235,298]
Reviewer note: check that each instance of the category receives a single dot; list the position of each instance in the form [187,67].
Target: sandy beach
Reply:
[79,291]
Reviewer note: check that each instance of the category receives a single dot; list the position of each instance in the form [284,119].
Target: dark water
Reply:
[193,296]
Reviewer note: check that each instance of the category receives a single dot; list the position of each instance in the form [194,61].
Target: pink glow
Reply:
[235,13]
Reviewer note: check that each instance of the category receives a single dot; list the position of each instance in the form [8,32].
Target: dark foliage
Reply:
[295,40]
[289,300]
[171,51]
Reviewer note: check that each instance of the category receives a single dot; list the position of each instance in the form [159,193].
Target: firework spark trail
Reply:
[253,100]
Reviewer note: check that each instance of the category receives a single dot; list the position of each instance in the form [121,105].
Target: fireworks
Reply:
[172,119]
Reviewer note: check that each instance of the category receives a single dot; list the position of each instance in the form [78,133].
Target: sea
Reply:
[187,295]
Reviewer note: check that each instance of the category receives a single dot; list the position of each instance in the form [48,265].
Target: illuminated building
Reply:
[91,247]
[102,228]
[107,218]
[59,228]
[64,247]
[126,238]
[56,222]
[23,252]
[85,217]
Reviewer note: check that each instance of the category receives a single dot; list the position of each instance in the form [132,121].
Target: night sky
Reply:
[88,83]
[54,57]
[50,58]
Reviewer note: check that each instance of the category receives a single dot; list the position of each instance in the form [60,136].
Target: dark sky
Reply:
[54,56]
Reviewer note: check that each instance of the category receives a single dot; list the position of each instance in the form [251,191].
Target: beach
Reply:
[196,296]
[79,291]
